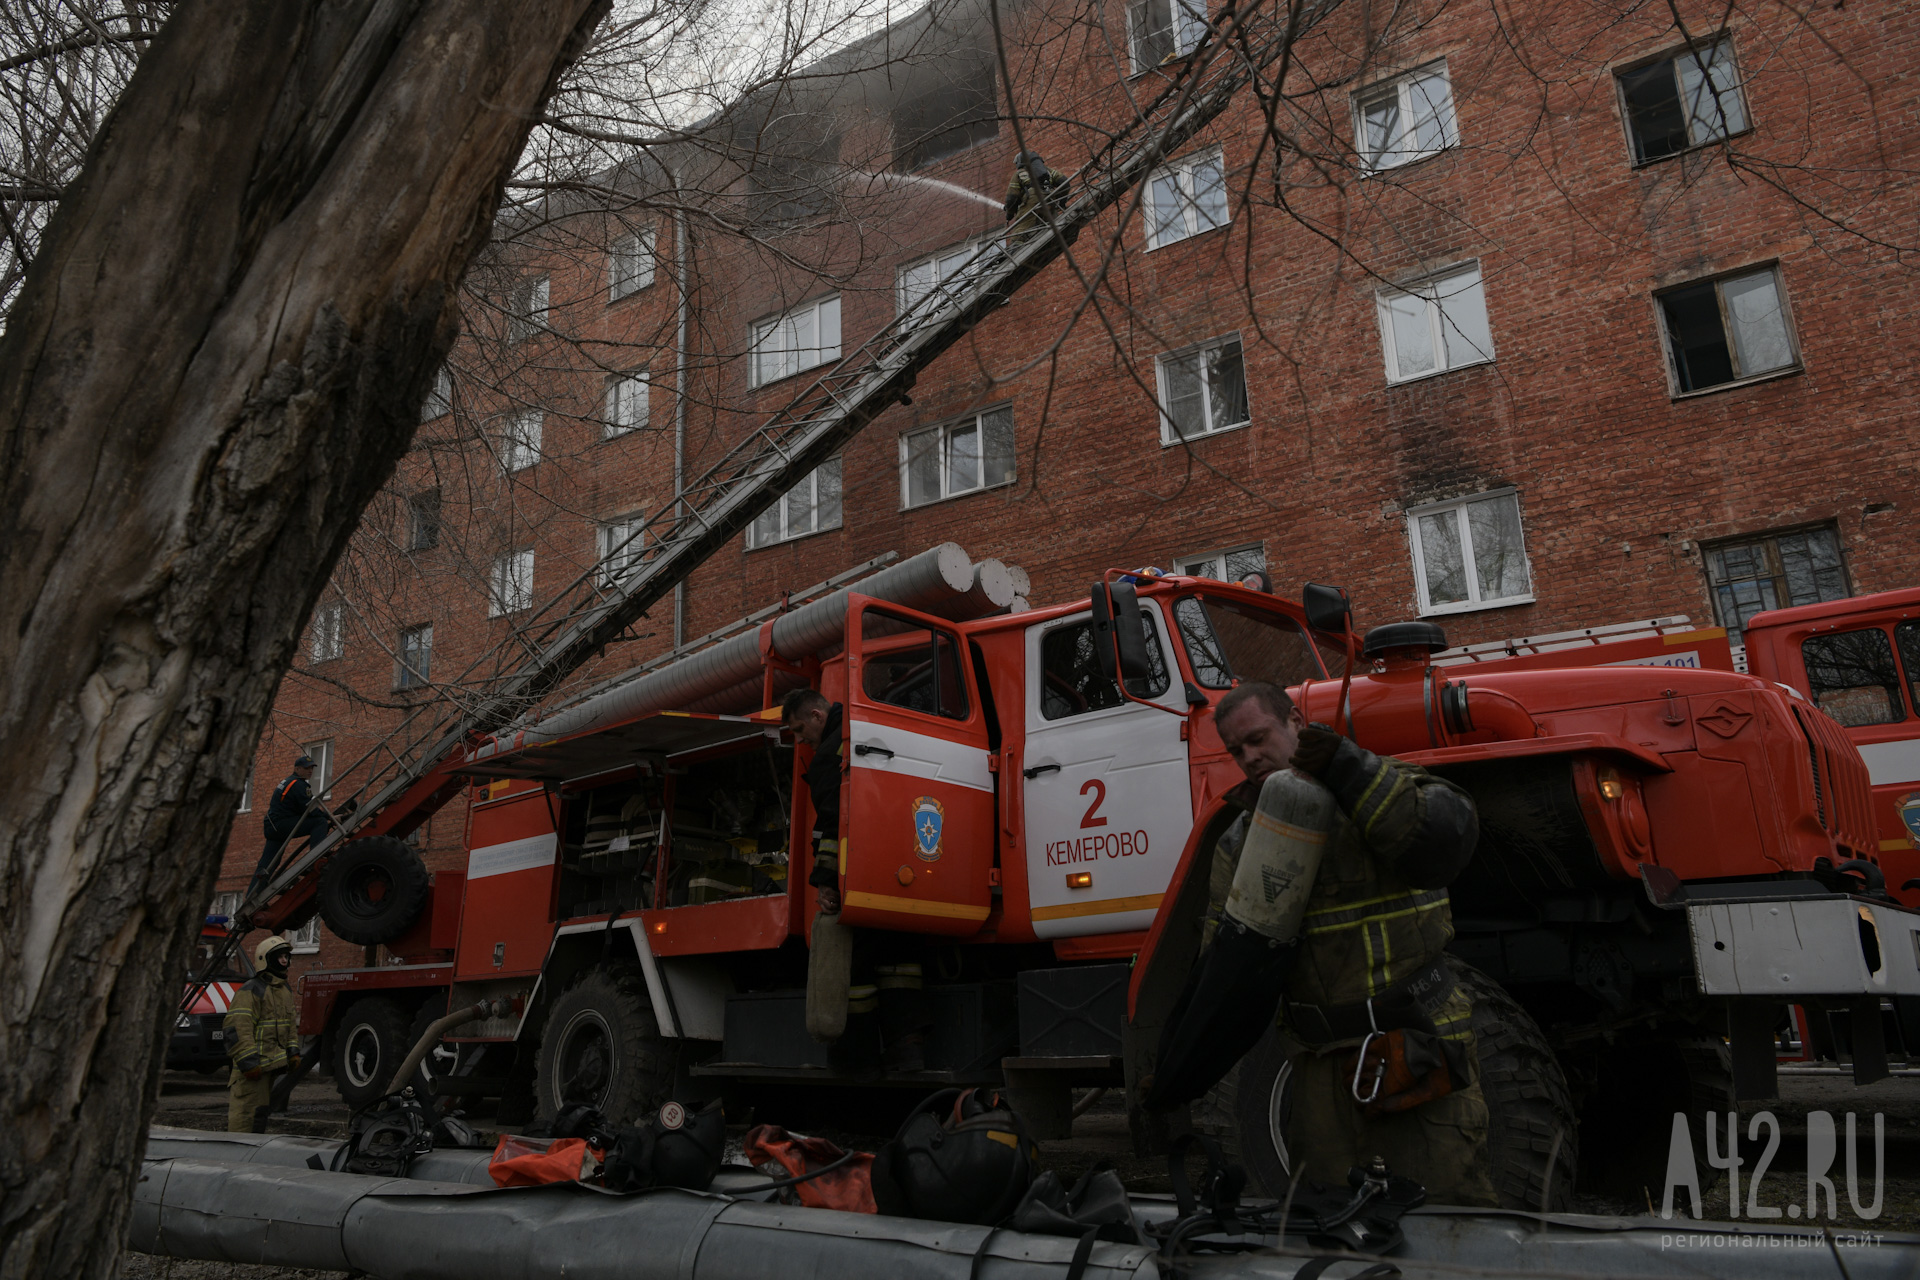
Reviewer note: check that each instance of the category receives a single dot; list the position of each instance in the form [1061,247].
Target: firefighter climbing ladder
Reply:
[775,457]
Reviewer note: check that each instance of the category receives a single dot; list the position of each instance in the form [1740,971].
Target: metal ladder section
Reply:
[777,455]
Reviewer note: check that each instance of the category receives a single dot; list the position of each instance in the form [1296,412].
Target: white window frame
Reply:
[226,904]
[1169,435]
[754,540]
[1204,564]
[1186,25]
[305,939]
[327,634]
[510,583]
[322,754]
[630,264]
[1437,291]
[1182,171]
[626,406]
[614,558]
[1474,601]
[246,793]
[942,447]
[532,317]
[439,396]
[945,264]
[520,440]
[769,359]
[404,676]
[1404,148]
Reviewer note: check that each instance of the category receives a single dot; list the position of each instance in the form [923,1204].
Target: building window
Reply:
[1161,29]
[973,453]
[246,793]
[1203,390]
[439,396]
[617,546]
[1229,565]
[1686,100]
[1434,326]
[416,657]
[225,904]
[1186,198]
[626,403]
[629,264]
[520,443]
[423,520]
[1726,330]
[305,939]
[949,108]
[326,638]
[916,280]
[1773,571]
[530,311]
[321,753]
[811,506]
[1406,119]
[1469,554]
[800,339]
[510,586]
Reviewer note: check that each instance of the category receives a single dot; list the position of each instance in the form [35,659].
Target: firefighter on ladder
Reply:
[290,815]
[887,970]
[262,1040]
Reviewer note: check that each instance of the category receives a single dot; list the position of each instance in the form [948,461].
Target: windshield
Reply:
[1228,641]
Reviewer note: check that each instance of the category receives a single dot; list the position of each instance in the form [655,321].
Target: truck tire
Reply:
[372,890]
[602,1047]
[369,1044]
[1528,1103]
[443,1059]
[1637,1085]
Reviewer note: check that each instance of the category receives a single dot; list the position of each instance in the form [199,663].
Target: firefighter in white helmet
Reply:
[262,1039]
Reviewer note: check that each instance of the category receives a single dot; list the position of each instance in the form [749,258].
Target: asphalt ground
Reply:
[200,1102]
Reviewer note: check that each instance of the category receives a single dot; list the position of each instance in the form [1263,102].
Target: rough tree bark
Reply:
[216,359]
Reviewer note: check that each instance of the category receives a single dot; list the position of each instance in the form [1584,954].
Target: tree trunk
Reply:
[217,358]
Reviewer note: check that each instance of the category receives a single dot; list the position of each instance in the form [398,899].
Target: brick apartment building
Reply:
[1543,317]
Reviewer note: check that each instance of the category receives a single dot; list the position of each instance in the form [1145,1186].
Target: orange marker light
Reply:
[1610,785]
[1080,880]
[660,926]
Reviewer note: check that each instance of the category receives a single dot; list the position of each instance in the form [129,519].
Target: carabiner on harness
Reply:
[1360,1063]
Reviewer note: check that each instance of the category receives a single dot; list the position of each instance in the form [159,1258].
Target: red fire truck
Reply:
[1668,854]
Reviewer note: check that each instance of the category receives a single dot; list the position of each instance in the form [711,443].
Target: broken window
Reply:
[1686,100]
[1203,390]
[973,453]
[811,506]
[1470,553]
[790,158]
[423,520]
[1720,331]
[949,107]
[1773,571]
[1434,326]
[1406,119]
[416,657]
[629,264]
[1186,198]
[1853,676]
[801,339]
[1159,30]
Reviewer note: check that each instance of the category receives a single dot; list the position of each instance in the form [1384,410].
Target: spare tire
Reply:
[372,890]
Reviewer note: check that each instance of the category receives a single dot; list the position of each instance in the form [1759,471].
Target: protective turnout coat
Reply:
[261,1025]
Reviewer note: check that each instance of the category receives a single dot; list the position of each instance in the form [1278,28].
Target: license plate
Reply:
[219,1035]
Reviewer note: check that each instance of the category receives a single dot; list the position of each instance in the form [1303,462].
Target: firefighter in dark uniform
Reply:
[290,815]
[1031,183]
[262,1039]
[1370,976]
[887,968]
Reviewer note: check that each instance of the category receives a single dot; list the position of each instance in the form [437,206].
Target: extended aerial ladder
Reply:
[416,779]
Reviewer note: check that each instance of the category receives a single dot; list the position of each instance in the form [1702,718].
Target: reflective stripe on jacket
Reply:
[261,1025]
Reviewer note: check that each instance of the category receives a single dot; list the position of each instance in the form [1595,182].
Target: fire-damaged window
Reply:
[1470,553]
[1726,330]
[948,108]
[1853,676]
[1071,682]
[790,157]
[1159,30]
[908,664]
[1687,99]
[1773,571]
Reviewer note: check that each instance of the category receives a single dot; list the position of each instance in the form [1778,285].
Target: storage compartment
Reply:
[974,1026]
[1073,1013]
[769,1029]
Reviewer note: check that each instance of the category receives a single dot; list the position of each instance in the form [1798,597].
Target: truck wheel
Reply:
[443,1059]
[1533,1136]
[372,890]
[602,1047]
[1637,1085]
[369,1043]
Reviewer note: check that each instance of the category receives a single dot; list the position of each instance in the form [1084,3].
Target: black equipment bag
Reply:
[388,1136]
[676,1148]
[962,1156]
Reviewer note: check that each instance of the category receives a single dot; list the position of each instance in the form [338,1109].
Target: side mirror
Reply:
[1328,608]
[1119,636]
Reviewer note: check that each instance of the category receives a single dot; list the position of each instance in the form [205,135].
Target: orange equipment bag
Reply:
[850,1187]
[532,1162]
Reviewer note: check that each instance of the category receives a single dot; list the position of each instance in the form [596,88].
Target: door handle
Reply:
[1039,769]
[865,750]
